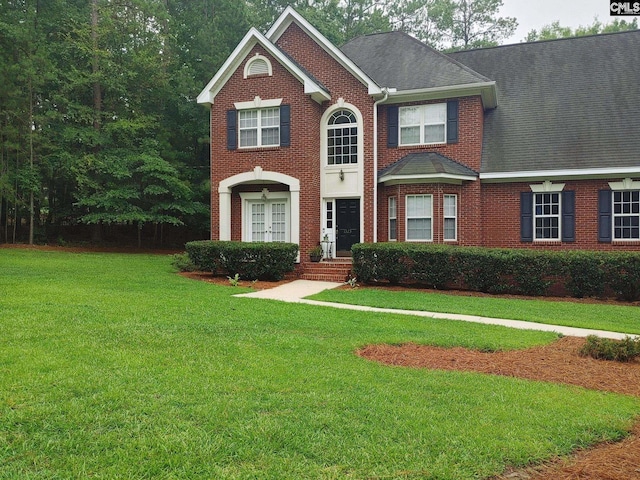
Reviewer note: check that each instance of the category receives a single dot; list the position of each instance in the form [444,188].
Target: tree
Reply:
[555,30]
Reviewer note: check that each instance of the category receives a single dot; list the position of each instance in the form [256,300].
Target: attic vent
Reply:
[258,65]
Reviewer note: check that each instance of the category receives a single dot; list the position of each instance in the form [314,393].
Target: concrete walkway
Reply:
[296,291]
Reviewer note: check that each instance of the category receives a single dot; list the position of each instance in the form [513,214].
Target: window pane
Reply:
[626,218]
[449,228]
[434,134]
[393,229]
[248,118]
[248,138]
[270,136]
[419,229]
[270,117]
[410,116]
[436,113]
[409,135]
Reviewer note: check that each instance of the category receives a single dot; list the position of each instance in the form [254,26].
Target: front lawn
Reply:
[614,318]
[113,366]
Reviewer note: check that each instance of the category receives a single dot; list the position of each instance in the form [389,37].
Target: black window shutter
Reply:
[392,126]
[232,129]
[526,216]
[285,125]
[569,216]
[604,216]
[452,121]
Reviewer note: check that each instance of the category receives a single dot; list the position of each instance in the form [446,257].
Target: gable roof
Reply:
[425,166]
[289,16]
[567,107]
[253,37]
[413,69]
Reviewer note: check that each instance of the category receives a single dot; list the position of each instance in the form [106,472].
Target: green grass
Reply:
[615,318]
[113,366]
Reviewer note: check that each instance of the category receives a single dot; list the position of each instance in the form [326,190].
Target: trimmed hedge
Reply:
[492,270]
[251,261]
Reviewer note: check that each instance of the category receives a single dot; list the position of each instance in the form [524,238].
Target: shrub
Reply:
[607,349]
[622,272]
[584,272]
[205,254]
[183,263]
[263,261]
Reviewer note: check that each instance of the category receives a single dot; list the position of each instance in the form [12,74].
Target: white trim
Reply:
[560,174]
[255,58]
[250,40]
[486,90]
[257,175]
[257,102]
[626,184]
[421,178]
[558,216]
[389,217]
[290,16]
[547,187]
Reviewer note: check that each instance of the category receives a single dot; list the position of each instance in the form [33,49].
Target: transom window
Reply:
[342,138]
[259,128]
[546,215]
[450,217]
[423,124]
[419,217]
[626,215]
[393,219]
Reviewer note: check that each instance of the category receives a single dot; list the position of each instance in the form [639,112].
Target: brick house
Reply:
[533,145]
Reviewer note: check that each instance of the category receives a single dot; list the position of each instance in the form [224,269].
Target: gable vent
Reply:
[258,67]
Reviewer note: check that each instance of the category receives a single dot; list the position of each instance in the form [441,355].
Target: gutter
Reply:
[385,90]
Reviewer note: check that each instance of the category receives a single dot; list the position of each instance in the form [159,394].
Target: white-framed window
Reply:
[626,215]
[450,214]
[342,138]
[259,127]
[419,218]
[423,124]
[393,219]
[546,216]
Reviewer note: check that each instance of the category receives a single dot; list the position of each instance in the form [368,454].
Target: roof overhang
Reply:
[290,16]
[575,174]
[486,90]
[250,40]
[448,178]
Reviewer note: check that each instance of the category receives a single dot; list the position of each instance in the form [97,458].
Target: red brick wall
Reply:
[501,217]
[341,84]
[300,160]
[467,151]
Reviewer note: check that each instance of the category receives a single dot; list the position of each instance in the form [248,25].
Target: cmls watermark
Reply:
[624,8]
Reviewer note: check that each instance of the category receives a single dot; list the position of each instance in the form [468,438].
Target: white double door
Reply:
[267,221]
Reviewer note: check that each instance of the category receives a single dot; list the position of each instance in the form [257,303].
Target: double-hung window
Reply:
[259,128]
[423,124]
[450,214]
[419,217]
[626,215]
[393,219]
[546,216]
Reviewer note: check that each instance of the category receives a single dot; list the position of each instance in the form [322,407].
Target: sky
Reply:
[534,14]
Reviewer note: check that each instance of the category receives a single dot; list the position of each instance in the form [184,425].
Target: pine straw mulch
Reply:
[556,362]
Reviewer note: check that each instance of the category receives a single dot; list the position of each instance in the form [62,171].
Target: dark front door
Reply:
[348,225]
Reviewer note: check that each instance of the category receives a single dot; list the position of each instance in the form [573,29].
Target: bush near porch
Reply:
[251,261]
[491,270]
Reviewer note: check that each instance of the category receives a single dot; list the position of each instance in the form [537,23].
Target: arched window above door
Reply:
[342,138]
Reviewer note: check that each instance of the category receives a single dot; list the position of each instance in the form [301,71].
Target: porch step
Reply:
[335,270]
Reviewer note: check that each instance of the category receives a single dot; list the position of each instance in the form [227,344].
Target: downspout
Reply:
[375,162]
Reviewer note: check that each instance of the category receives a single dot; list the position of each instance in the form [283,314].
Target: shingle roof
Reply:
[426,164]
[397,60]
[563,104]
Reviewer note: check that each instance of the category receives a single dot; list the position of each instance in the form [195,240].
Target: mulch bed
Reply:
[557,362]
